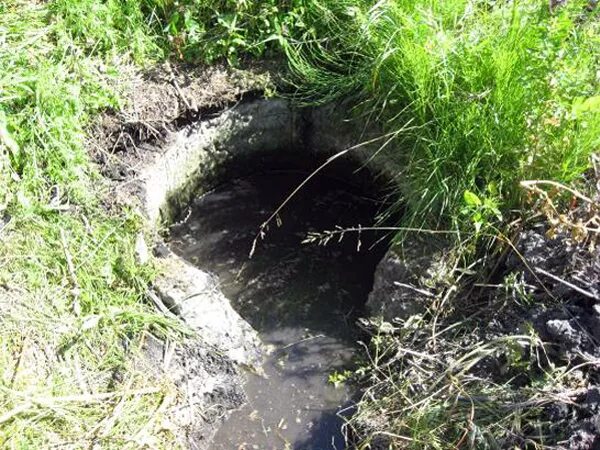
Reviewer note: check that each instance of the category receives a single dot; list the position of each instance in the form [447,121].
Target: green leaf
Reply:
[583,105]
[471,199]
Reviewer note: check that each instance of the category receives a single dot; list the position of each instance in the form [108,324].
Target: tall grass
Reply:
[491,88]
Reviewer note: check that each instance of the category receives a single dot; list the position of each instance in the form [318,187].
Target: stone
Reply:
[196,298]
[408,279]
[563,331]
[199,152]
[161,250]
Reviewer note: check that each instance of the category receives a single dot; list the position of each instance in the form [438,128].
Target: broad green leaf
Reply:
[583,105]
[471,199]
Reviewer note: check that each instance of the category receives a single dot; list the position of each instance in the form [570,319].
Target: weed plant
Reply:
[209,30]
[431,385]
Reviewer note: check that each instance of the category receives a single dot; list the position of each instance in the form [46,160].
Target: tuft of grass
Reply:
[71,291]
[493,92]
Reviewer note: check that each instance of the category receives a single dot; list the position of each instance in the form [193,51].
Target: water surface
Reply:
[303,300]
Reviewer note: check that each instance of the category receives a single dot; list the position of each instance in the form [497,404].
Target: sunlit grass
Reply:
[72,294]
[490,89]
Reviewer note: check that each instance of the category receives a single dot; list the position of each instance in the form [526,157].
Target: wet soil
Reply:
[156,103]
[302,298]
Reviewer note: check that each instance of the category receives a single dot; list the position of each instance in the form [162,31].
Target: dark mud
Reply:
[162,100]
[302,298]
[563,281]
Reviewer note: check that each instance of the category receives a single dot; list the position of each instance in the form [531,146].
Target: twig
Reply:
[265,224]
[3,222]
[109,422]
[158,412]
[564,397]
[397,436]
[176,86]
[14,412]
[75,291]
[301,341]
[407,229]
[420,291]
[83,398]
[49,402]
[531,183]
[169,351]
[439,309]
[566,283]
[18,362]
[405,351]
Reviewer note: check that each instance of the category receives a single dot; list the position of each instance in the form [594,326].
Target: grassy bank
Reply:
[71,291]
[497,93]
[494,92]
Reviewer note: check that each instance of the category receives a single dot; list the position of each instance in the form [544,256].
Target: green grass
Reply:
[490,88]
[496,92]
[64,331]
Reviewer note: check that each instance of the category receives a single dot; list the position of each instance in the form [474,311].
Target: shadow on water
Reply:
[302,299]
[321,438]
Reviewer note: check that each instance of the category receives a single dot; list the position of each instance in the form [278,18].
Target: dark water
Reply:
[302,298]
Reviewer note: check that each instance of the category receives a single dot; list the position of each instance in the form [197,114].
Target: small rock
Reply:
[563,331]
[406,281]
[161,250]
[142,255]
[585,438]
[4,220]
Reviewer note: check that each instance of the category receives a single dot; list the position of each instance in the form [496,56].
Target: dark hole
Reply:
[302,298]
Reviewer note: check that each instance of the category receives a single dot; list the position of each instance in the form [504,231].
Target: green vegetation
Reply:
[437,395]
[209,30]
[492,90]
[495,93]
[71,292]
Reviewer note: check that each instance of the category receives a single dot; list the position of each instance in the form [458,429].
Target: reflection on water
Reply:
[301,298]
